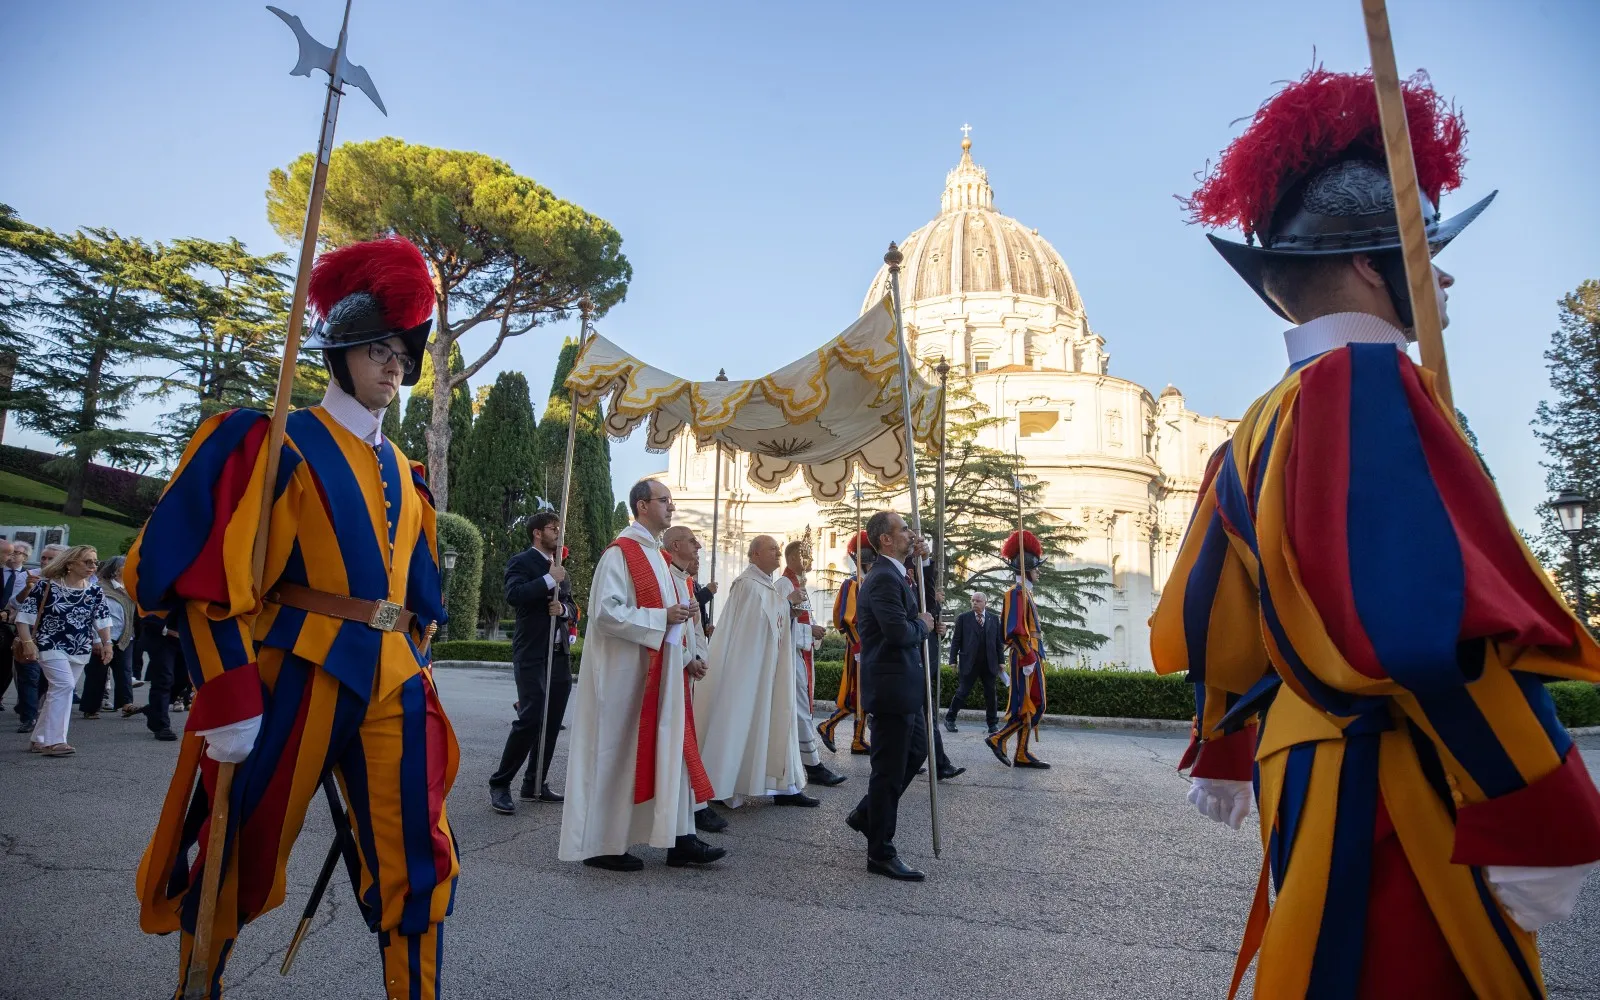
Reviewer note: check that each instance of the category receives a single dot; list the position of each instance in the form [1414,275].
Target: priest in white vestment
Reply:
[632,768]
[804,630]
[682,550]
[745,708]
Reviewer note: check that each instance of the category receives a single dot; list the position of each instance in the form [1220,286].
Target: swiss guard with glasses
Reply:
[328,669]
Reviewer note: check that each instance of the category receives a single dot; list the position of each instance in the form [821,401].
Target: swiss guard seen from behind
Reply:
[1350,579]
[327,670]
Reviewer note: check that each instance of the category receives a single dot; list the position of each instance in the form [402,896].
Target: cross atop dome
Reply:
[967,186]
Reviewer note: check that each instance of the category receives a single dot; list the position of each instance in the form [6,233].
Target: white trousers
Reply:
[62,672]
[806,731]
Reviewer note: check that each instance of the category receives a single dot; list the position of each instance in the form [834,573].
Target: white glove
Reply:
[1537,896]
[232,743]
[1222,800]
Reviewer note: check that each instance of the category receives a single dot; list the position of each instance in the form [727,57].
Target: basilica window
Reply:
[1033,423]
[980,363]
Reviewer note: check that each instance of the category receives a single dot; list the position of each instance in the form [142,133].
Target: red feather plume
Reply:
[854,545]
[1030,541]
[392,269]
[1319,119]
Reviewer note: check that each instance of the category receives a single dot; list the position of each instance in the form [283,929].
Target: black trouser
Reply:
[94,680]
[523,742]
[165,672]
[899,746]
[964,688]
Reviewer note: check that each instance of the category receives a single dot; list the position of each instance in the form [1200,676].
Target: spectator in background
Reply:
[7,632]
[166,672]
[63,622]
[119,608]
[15,579]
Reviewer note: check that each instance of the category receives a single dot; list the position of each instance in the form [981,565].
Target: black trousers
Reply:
[165,672]
[899,747]
[964,688]
[522,743]
[120,671]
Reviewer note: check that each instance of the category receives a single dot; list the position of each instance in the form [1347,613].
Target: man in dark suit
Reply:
[541,595]
[893,683]
[975,649]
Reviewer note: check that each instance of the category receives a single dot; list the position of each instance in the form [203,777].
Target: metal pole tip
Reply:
[894,258]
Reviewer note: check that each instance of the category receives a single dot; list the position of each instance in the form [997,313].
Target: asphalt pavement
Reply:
[1093,879]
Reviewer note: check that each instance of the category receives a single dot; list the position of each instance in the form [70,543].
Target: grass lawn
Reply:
[14,485]
[106,536]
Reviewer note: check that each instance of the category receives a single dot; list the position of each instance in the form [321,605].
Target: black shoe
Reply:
[896,869]
[856,822]
[826,736]
[860,751]
[165,735]
[26,727]
[946,773]
[500,801]
[546,795]
[1034,762]
[950,726]
[797,799]
[615,862]
[998,751]
[922,770]
[994,727]
[709,820]
[691,850]
[823,776]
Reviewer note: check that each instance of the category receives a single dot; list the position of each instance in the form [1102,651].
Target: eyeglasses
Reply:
[381,353]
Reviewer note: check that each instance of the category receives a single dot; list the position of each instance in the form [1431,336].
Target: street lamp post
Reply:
[447,561]
[1570,508]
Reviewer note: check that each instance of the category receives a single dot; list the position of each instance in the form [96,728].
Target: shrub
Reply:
[832,646]
[456,532]
[1103,694]
[1577,703]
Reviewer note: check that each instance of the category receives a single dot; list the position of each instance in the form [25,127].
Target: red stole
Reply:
[647,592]
[804,618]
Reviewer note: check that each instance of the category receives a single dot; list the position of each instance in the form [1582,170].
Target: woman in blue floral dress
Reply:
[71,626]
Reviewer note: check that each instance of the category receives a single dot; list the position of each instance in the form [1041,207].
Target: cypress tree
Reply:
[1569,429]
[495,490]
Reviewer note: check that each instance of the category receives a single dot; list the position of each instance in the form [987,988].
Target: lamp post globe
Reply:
[1569,507]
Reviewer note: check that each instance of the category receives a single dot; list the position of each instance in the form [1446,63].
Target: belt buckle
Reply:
[384,616]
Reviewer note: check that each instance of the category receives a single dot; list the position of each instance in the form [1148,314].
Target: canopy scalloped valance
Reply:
[830,413]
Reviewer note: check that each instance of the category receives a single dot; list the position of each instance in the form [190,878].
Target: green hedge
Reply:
[456,532]
[489,651]
[1577,703]
[1101,693]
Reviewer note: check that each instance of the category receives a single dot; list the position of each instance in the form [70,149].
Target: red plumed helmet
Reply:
[1028,540]
[1315,121]
[372,291]
[856,543]
[564,553]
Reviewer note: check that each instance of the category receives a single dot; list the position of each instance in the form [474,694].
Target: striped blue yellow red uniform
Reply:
[847,700]
[1350,579]
[338,696]
[1020,628]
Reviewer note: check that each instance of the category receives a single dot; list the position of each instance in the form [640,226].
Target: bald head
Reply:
[765,554]
[682,548]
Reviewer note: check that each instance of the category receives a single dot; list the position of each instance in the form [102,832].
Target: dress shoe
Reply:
[166,735]
[894,868]
[950,726]
[500,801]
[546,795]
[946,773]
[998,750]
[922,770]
[826,736]
[856,822]
[691,850]
[823,776]
[615,862]
[797,799]
[1035,763]
[709,820]
[26,727]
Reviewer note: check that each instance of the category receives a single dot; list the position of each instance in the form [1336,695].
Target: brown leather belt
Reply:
[385,616]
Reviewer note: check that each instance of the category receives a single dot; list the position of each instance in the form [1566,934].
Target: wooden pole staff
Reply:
[586,310]
[1421,281]
[861,710]
[716,496]
[894,258]
[943,370]
[197,981]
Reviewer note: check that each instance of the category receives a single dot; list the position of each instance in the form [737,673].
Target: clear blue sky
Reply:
[757,158]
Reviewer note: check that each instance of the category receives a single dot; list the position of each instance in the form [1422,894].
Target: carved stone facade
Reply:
[995,299]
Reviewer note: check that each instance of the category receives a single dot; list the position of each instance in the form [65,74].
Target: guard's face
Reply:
[376,371]
[1446,279]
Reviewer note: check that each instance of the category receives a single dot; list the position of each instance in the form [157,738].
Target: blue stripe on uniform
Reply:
[414,812]
[1336,963]
[366,571]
